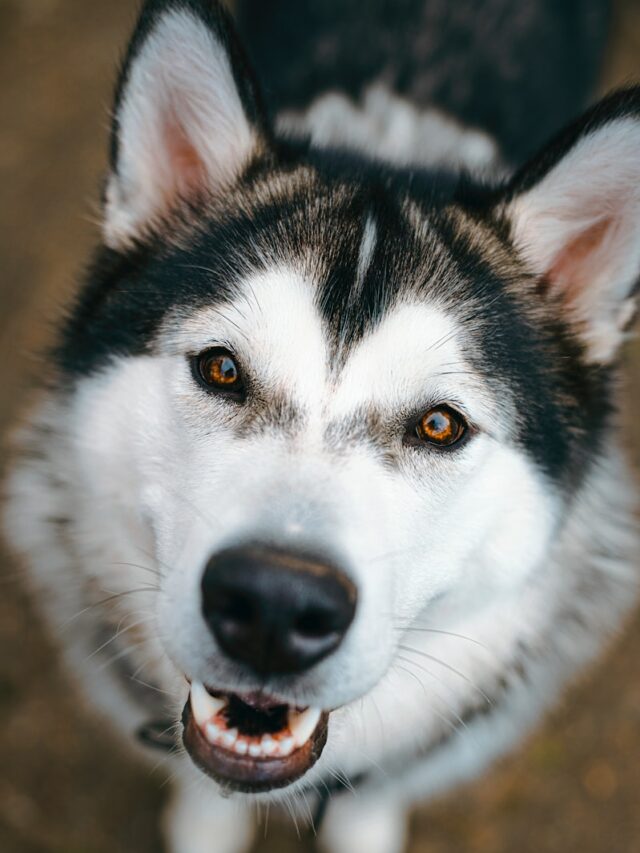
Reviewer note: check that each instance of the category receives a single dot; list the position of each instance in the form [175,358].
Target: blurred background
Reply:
[65,785]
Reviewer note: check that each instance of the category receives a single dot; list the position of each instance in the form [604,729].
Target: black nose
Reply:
[276,611]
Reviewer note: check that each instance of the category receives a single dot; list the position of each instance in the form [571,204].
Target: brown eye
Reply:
[441,426]
[218,370]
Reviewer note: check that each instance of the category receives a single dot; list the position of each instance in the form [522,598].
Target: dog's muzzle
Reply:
[251,743]
[274,613]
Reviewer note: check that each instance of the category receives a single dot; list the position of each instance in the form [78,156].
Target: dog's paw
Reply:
[364,825]
[198,820]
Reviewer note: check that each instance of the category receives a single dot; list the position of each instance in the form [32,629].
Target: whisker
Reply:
[449,667]
[379,715]
[113,597]
[119,632]
[147,588]
[451,710]
[154,557]
[210,522]
[149,569]
[438,714]
[266,819]
[118,656]
[420,629]
[150,686]
[344,780]
[326,787]
[303,796]
[291,809]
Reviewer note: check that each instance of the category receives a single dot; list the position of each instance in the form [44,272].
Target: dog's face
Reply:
[342,402]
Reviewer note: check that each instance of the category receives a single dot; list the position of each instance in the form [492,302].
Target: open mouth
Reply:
[251,743]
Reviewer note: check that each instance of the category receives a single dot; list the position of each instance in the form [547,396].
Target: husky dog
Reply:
[326,474]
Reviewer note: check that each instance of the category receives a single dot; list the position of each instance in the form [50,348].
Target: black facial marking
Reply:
[351,303]
[563,405]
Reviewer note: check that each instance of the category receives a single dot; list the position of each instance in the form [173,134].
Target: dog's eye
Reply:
[441,426]
[218,370]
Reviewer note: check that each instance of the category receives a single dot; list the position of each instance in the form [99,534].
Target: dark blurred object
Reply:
[471,59]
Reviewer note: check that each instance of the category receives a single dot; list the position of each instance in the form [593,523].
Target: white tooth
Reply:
[229,737]
[203,704]
[255,751]
[241,746]
[303,724]
[268,745]
[212,732]
[286,745]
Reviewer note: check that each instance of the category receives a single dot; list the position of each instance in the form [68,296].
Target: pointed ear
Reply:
[574,214]
[186,118]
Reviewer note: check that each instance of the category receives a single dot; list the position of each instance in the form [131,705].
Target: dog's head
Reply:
[336,396]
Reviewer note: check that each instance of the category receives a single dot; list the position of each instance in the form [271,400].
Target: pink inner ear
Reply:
[186,166]
[577,264]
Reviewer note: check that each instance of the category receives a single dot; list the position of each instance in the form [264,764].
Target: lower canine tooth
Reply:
[241,747]
[302,724]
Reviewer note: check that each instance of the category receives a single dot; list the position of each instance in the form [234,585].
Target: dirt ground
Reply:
[65,786]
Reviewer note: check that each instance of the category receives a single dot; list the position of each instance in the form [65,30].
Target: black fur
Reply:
[624,103]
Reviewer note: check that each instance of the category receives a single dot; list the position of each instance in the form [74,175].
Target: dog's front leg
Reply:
[364,823]
[199,820]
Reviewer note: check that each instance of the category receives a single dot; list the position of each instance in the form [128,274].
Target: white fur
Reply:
[181,83]
[365,255]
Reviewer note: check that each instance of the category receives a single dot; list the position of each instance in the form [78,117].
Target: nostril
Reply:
[315,623]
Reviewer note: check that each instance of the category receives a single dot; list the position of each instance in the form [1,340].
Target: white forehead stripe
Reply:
[367,248]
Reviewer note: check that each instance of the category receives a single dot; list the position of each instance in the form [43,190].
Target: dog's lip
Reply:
[281,754]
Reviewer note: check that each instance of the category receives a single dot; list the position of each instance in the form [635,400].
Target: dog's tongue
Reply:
[251,742]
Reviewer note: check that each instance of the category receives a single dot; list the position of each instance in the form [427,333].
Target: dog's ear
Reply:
[574,214]
[186,119]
